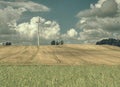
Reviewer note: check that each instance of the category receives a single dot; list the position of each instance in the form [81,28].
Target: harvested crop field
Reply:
[60,55]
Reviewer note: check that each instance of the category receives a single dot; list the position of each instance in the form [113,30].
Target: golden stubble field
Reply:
[60,55]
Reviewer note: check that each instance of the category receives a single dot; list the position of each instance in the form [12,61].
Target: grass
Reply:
[59,76]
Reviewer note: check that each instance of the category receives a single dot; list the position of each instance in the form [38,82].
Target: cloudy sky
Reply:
[74,21]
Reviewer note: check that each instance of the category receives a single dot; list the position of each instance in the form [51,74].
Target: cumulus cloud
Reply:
[48,29]
[102,20]
[72,33]
[92,35]
[17,0]
[29,5]
[11,11]
[104,8]
[9,16]
[70,36]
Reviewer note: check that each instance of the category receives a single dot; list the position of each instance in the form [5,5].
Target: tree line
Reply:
[110,41]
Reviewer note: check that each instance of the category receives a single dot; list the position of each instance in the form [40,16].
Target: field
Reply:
[60,66]
[60,76]
[60,55]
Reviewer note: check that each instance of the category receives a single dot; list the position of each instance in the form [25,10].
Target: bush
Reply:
[57,42]
[53,42]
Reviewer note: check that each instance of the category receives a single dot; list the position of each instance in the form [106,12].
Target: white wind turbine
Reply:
[38,32]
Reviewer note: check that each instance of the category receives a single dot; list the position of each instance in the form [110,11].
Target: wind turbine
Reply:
[38,32]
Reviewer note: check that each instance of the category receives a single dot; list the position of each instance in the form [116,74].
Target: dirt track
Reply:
[60,55]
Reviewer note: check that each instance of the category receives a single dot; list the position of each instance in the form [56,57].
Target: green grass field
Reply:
[59,76]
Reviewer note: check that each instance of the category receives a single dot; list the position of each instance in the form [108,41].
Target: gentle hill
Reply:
[73,54]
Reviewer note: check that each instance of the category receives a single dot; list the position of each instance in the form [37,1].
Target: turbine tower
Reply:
[38,32]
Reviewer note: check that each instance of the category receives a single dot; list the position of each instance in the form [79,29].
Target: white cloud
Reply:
[29,5]
[104,8]
[11,11]
[91,35]
[70,36]
[48,29]
[100,3]
[14,0]
[72,33]
[18,0]
[118,1]
[102,20]
[9,16]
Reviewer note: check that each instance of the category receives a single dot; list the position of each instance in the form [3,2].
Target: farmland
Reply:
[60,66]
[60,55]
[60,76]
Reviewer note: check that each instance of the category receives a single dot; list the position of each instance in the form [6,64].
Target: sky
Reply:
[74,21]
